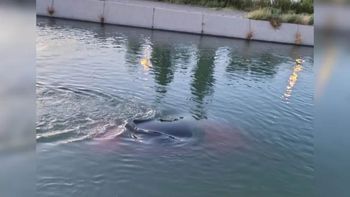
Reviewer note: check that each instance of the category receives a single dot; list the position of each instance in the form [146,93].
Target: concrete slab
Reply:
[307,34]
[228,26]
[262,30]
[87,10]
[176,20]
[42,7]
[131,15]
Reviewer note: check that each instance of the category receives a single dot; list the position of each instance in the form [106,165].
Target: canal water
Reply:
[131,112]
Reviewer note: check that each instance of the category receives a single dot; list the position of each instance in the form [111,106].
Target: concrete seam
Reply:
[103,12]
[202,31]
[250,28]
[298,28]
[103,9]
[154,10]
[51,9]
[250,25]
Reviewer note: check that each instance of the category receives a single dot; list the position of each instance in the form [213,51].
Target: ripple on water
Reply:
[75,114]
[247,139]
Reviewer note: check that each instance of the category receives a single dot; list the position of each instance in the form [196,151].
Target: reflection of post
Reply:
[203,80]
[292,80]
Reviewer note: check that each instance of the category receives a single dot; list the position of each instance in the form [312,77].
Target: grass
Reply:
[298,6]
[276,16]
[275,11]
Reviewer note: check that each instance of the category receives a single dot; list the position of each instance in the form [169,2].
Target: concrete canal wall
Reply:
[175,19]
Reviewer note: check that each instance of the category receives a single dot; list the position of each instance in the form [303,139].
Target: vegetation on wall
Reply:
[276,11]
[276,16]
[298,6]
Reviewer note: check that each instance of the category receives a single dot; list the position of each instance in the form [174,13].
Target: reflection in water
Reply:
[133,50]
[163,68]
[266,65]
[183,56]
[292,80]
[203,80]
[146,57]
[259,65]
[162,65]
[90,79]
[238,65]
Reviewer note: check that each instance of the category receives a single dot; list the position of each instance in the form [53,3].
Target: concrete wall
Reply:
[176,20]
[262,30]
[132,15]
[88,10]
[207,23]
[42,7]
[225,26]
[307,34]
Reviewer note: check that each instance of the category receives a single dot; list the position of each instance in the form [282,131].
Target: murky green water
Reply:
[247,106]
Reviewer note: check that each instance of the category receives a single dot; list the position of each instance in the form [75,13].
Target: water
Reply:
[332,99]
[247,106]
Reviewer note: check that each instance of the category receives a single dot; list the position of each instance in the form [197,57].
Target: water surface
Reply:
[247,106]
